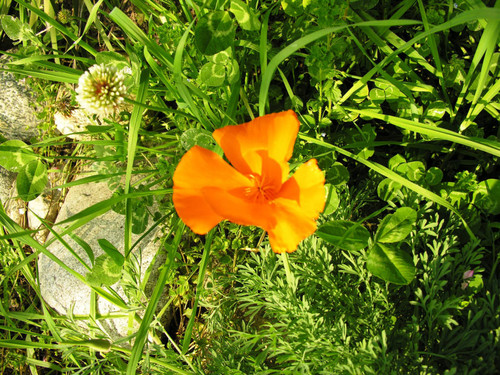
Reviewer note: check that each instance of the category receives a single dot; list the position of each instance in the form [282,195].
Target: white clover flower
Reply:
[101,89]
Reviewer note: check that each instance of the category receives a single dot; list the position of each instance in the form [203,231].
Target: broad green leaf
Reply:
[233,72]
[105,272]
[199,137]
[391,92]
[345,234]
[15,28]
[222,57]
[395,227]
[212,74]
[112,251]
[390,264]
[244,15]
[377,96]
[140,218]
[332,200]
[214,33]
[15,154]
[31,180]
[388,189]
[434,176]
[337,174]
[413,170]
[487,196]
[395,161]
[436,110]
[361,95]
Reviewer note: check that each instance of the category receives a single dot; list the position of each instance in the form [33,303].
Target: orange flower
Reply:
[256,189]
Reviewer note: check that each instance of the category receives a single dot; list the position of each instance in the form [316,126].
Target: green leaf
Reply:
[140,218]
[31,180]
[434,176]
[200,137]
[214,33]
[487,196]
[105,272]
[377,96]
[344,234]
[413,170]
[15,28]
[293,8]
[337,174]
[395,227]
[395,161]
[111,58]
[390,264]
[84,245]
[233,71]
[332,200]
[436,110]
[388,189]
[111,251]
[212,74]
[244,15]
[15,154]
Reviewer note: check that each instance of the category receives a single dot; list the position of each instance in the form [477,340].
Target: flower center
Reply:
[101,88]
[260,191]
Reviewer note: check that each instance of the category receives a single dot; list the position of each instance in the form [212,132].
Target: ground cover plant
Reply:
[398,103]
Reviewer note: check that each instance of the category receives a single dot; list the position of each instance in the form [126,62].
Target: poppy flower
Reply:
[256,188]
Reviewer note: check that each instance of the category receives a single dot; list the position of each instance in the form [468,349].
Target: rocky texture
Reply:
[77,121]
[15,208]
[17,117]
[63,291]
[45,206]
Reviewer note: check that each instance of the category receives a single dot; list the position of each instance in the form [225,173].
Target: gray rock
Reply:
[68,295]
[76,121]
[45,206]
[14,208]
[17,116]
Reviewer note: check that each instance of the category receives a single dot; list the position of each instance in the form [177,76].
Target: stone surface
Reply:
[65,293]
[14,208]
[45,206]
[17,116]
[75,122]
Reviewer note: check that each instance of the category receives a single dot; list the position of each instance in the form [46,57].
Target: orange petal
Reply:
[200,169]
[274,133]
[307,188]
[240,208]
[292,226]
[301,199]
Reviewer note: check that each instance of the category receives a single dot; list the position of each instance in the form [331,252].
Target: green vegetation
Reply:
[398,102]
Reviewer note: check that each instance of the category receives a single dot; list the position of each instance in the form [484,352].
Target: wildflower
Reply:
[255,189]
[466,277]
[101,89]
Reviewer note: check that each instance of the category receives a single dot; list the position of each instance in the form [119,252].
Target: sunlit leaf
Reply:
[388,189]
[332,200]
[215,32]
[344,234]
[32,180]
[15,154]
[105,272]
[487,196]
[244,15]
[390,264]
[397,226]
[112,251]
